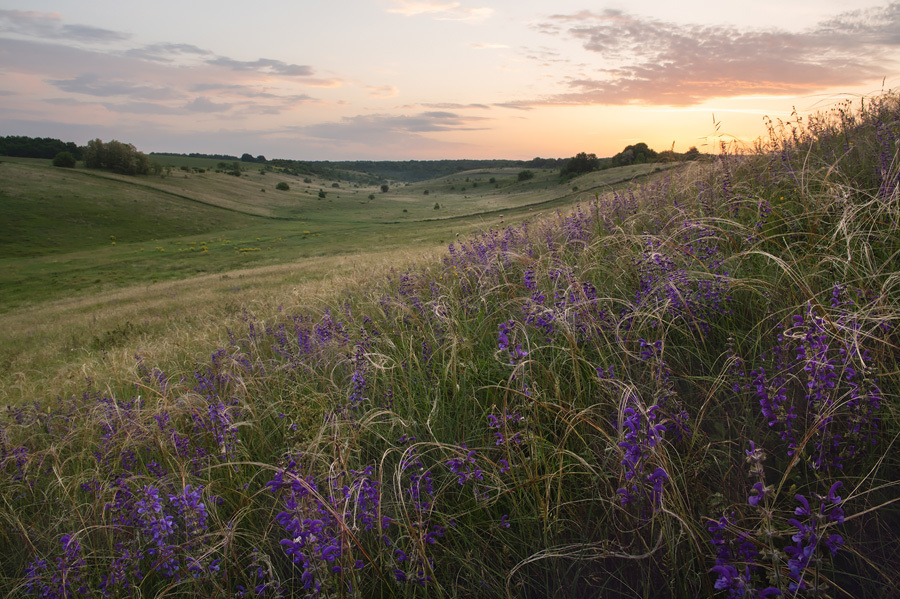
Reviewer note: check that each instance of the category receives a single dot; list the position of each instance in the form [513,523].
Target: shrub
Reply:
[525,175]
[282,186]
[64,159]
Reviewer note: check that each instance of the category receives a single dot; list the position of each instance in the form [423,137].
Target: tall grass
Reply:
[688,389]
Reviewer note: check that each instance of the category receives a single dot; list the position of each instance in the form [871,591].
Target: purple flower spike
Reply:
[832,496]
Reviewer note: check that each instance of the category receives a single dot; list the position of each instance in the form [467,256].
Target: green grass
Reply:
[78,231]
[684,389]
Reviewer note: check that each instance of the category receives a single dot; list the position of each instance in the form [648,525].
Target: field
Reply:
[67,231]
[659,384]
[98,265]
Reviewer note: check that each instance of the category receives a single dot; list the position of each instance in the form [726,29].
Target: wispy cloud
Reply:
[263,65]
[449,11]
[454,106]
[383,91]
[50,26]
[166,52]
[657,62]
[94,85]
[374,127]
[399,136]
[205,105]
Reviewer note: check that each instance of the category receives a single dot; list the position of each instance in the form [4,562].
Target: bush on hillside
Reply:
[64,160]
[117,156]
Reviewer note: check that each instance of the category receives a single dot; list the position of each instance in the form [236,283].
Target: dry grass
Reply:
[51,349]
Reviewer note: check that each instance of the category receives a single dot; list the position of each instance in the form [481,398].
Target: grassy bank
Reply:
[686,389]
[80,232]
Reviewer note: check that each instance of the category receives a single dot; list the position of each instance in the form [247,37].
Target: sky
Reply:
[433,79]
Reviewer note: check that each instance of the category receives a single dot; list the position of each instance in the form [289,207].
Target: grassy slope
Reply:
[76,232]
[69,296]
[686,390]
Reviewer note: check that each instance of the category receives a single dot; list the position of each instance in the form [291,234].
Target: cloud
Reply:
[515,105]
[146,108]
[383,91]
[206,105]
[381,135]
[375,127]
[657,62]
[263,65]
[50,26]
[455,106]
[94,85]
[445,11]
[488,46]
[268,66]
[166,52]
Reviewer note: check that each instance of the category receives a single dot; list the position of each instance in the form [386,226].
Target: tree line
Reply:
[639,153]
[21,146]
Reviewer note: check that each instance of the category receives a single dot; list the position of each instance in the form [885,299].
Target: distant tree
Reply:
[321,194]
[36,147]
[437,206]
[261,159]
[117,156]
[371,196]
[692,154]
[581,163]
[93,154]
[247,157]
[282,186]
[425,192]
[307,180]
[384,188]
[64,160]
[525,175]
[637,154]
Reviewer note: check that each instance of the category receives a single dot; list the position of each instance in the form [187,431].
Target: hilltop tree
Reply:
[384,188]
[639,153]
[581,163]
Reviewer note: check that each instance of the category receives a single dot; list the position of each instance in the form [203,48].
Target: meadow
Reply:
[686,387]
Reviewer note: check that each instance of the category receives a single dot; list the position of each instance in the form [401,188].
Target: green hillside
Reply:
[683,388]
[76,230]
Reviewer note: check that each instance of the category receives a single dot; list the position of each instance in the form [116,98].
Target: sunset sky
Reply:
[431,79]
